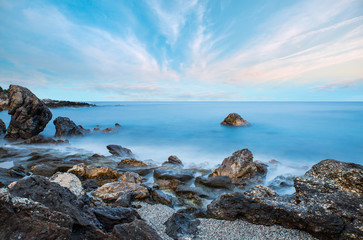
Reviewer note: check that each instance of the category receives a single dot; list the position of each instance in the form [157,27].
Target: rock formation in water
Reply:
[67,128]
[58,103]
[234,119]
[29,115]
[327,203]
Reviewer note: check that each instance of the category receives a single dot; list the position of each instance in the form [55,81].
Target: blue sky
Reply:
[184,50]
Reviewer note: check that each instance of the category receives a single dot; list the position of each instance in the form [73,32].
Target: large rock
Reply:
[110,192]
[180,175]
[215,182]
[2,127]
[136,230]
[181,226]
[233,119]
[29,115]
[119,151]
[70,181]
[173,162]
[240,167]
[324,205]
[67,128]
[100,173]
[22,218]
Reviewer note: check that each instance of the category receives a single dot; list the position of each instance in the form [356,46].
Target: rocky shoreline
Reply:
[48,195]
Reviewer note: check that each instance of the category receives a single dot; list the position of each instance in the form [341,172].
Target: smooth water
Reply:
[297,134]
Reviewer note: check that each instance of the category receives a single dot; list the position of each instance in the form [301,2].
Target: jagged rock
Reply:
[119,151]
[70,181]
[39,139]
[127,162]
[29,115]
[67,128]
[136,230]
[131,177]
[215,182]
[233,119]
[327,203]
[100,173]
[180,175]
[58,103]
[240,167]
[181,225]
[110,192]
[22,218]
[2,127]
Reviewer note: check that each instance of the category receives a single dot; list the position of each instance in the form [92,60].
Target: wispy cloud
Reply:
[338,85]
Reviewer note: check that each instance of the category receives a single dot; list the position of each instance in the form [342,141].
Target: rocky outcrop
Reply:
[58,104]
[119,151]
[241,168]
[233,119]
[67,128]
[110,192]
[2,127]
[181,226]
[29,115]
[327,203]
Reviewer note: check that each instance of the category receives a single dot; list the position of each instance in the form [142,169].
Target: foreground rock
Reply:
[57,104]
[181,225]
[29,115]
[241,168]
[67,128]
[2,127]
[138,230]
[70,181]
[233,119]
[327,203]
[110,192]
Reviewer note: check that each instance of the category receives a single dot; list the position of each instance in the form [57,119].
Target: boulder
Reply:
[173,161]
[100,173]
[67,128]
[136,230]
[119,151]
[2,127]
[181,226]
[233,119]
[29,115]
[324,204]
[180,175]
[131,162]
[70,181]
[215,182]
[240,167]
[110,192]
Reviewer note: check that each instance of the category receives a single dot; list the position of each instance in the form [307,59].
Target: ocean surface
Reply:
[297,134]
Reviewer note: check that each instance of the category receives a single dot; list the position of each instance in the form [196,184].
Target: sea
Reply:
[295,134]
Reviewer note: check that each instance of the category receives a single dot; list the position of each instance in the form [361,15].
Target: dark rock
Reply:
[109,217]
[181,225]
[327,203]
[195,212]
[29,115]
[119,151]
[240,167]
[193,194]
[159,197]
[67,128]
[215,182]
[22,218]
[233,119]
[39,139]
[173,161]
[136,230]
[2,127]
[180,175]
[6,177]
[131,162]
[58,104]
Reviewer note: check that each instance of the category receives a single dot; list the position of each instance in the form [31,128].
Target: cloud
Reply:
[338,85]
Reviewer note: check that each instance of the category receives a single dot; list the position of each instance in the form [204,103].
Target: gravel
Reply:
[156,215]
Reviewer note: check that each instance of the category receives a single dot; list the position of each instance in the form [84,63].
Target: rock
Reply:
[136,230]
[180,175]
[181,225]
[39,139]
[233,119]
[240,167]
[67,128]
[173,161]
[327,203]
[70,181]
[109,217]
[127,162]
[6,177]
[4,99]
[58,104]
[119,151]
[215,182]
[29,115]
[167,184]
[131,177]
[282,181]
[23,218]
[196,212]
[193,194]
[162,198]
[110,192]
[100,173]
[2,127]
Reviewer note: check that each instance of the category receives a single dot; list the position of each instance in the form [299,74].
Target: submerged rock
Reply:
[29,115]
[119,151]
[233,119]
[181,226]
[67,128]
[2,127]
[327,203]
[240,167]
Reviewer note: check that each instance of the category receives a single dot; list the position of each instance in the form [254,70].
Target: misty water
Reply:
[297,134]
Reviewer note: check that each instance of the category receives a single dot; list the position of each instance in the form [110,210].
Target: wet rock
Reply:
[70,181]
[6,177]
[240,167]
[29,115]
[173,161]
[234,119]
[100,173]
[39,139]
[136,230]
[215,182]
[162,198]
[23,218]
[109,217]
[67,128]
[127,162]
[131,177]
[181,225]
[283,181]
[167,184]
[58,103]
[2,127]
[193,211]
[324,205]
[110,192]
[43,169]
[193,194]
[119,151]
[180,175]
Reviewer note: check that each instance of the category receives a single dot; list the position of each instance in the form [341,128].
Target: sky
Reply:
[184,50]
